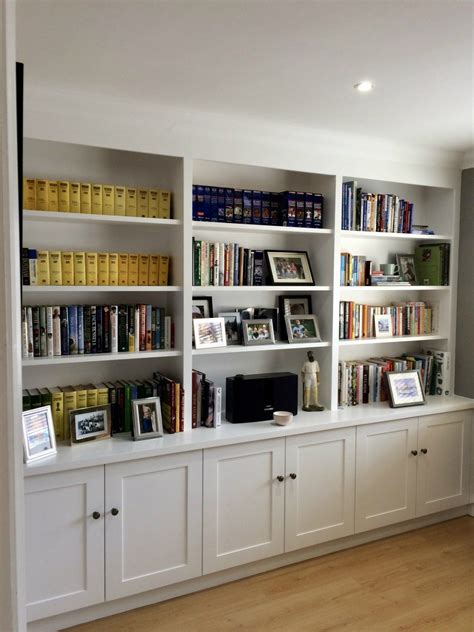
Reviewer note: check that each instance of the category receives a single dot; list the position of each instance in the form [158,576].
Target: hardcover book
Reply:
[113,268]
[97,204]
[86,198]
[64,196]
[103,268]
[74,197]
[55,268]
[43,273]
[153,203]
[29,194]
[133,260]
[120,201]
[142,204]
[91,268]
[42,195]
[53,196]
[164,204]
[108,199]
[123,268]
[131,205]
[79,268]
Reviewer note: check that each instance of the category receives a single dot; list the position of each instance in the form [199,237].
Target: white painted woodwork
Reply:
[155,539]
[243,513]
[64,543]
[385,473]
[443,472]
[319,502]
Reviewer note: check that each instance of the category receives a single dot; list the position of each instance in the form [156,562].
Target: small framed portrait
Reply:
[297,305]
[383,326]
[405,388]
[202,307]
[258,331]
[406,268]
[90,424]
[233,327]
[147,420]
[209,332]
[289,268]
[38,434]
[269,312]
[302,328]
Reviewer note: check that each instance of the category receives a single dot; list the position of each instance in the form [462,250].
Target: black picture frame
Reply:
[283,299]
[405,388]
[287,278]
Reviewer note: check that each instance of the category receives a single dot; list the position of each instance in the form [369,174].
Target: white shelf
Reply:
[198,289]
[376,341]
[279,346]
[257,228]
[81,218]
[102,357]
[393,288]
[364,234]
[66,289]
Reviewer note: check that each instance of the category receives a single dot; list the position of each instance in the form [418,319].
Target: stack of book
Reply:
[288,208]
[226,264]
[49,330]
[379,278]
[381,212]
[432,264]
[206,402]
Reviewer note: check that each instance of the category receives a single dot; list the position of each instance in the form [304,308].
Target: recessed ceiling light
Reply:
[364,86]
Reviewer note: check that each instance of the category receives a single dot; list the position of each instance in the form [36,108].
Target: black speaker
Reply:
[256,397]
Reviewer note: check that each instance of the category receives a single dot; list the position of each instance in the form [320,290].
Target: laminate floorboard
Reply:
[422,581]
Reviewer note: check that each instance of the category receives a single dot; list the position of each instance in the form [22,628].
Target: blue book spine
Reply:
[342,275]
[72,318]
[194,202]
[308,210]
[266,209]
[344,206]
[275,209]
[214,205]
[221,205]
[256,207]
[247,207]
[199,203]
[64,330]
[300,209]
[207,204]
[80,329]
[229,205]
[236,264]
[318,202]
[238,202]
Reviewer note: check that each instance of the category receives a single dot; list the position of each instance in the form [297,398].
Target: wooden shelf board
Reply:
[101,357]
[258,228]
[79,218]
[279,346]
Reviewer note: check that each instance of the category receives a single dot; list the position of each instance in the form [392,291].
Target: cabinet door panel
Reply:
[155,539]
[64,543]
[243,503]
[320,500]
[443,471]
[385,473]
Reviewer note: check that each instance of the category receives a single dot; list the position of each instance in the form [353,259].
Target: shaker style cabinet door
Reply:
[64,528]
[244,501]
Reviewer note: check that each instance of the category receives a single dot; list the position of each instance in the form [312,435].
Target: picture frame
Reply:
[233,327]
[201,308]
[383,326]
[289,267]
[39,440]
[258,331]
[405,388]
[406,268]
[301,329]
[269,312]
[147,418]
[209,333]
[298,304]
[93,423]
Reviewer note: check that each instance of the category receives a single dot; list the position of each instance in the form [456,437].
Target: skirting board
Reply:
[92,613]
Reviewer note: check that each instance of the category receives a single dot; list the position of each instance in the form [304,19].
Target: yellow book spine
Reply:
[74,197]
[153,203]
[103,265]
[42,195]
[142,204]
[143,269]
[97,199]
[132,269]
[120,200]
[81,396]
[70,403]
[91,395]
[86,198]
[123,269]
[55,268]
[53,196]
[79,268]
[164,268]
[29,194]
[131,206]
[43,273]
[153,270]
[91,268]
[108,199]
[67,267]
[102,395]
[57,411]
[113,268]
[64,202]
[164,204]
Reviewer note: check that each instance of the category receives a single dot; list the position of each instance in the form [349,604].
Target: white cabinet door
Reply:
[443,462]
[243,503]
[385,473]
[320,476]
[64,525]
[153,523]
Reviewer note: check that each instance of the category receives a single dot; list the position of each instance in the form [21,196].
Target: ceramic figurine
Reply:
[310,373]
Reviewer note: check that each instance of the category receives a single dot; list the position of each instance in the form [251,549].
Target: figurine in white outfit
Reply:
[310,373]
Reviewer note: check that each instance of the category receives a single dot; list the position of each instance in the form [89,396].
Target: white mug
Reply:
[389,268]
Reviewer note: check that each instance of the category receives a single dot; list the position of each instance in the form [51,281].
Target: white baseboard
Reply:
[69,619]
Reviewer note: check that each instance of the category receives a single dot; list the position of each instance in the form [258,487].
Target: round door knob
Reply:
[280,478]
[114,511]
[293,475]
[96,515]
[424,450]
[414,452]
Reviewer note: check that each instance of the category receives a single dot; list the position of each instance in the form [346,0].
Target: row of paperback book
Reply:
[409,318]
[119,395]
[355,270]
[49,331]
[288,208]
[99,199]
[382,212]
[206,402]
[226,264]
[48,267]
[362,381]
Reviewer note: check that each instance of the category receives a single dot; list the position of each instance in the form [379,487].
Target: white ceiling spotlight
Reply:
[364,86]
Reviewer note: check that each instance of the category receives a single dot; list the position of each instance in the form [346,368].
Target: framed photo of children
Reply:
[90,424]
[302,328]
[258,331]
[39,440]
[289,268]
[209,332]
[405,388]
[147,420]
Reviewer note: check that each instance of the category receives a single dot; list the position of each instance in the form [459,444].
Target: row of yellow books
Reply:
[99,199]
[45,267]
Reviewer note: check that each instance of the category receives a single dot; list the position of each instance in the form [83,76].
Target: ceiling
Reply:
[288,62]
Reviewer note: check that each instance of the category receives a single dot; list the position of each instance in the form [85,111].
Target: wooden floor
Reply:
[418,581]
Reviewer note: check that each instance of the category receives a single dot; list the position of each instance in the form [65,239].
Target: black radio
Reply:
[256,397]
